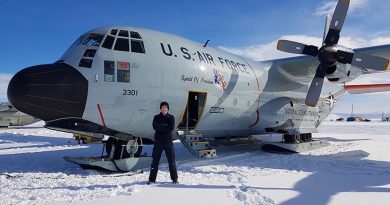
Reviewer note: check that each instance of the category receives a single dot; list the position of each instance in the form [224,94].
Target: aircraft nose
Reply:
[49,92]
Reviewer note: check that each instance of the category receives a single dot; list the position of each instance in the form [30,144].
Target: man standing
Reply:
[163,124]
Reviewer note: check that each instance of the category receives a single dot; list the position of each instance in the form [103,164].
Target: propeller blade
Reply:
[297,48]
[316,86]
[326,29]
[338,18]
[370,62]
[363,60]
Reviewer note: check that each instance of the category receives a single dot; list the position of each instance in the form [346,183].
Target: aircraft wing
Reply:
[371,88]
[362,89]
[293,73]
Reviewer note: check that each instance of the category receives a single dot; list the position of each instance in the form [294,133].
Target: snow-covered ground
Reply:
[354,169]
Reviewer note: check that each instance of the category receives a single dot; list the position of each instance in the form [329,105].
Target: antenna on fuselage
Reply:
[206,43]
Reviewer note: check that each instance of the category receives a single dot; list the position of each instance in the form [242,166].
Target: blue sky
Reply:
[39,31]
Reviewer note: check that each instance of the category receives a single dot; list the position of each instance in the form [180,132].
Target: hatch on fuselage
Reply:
[194,110]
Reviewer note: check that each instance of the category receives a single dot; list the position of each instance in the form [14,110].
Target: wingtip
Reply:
[345,1]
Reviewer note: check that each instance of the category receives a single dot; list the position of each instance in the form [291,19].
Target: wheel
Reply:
[123,149]
[134,147]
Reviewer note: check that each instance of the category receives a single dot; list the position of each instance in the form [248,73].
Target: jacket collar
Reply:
[164,115]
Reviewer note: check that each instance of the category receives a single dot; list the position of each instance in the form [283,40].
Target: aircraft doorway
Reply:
[194,110]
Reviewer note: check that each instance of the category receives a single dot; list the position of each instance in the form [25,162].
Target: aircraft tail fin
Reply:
[370,88]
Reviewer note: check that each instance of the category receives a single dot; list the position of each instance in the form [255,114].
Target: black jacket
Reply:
[163,125]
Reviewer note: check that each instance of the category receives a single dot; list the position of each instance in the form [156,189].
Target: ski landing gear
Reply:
[197,145]
[293,144]
[122,156]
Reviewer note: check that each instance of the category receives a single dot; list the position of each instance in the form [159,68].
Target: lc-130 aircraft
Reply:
[9,116]
[112,80]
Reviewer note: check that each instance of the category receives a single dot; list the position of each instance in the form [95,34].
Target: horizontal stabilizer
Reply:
[372,88]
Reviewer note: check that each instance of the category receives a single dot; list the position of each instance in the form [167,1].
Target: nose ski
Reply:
[121,156]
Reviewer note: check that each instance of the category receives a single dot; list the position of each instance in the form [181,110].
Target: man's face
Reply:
[164,109]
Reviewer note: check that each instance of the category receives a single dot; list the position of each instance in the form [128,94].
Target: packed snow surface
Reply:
[354,169]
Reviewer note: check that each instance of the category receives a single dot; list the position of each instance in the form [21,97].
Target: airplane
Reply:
[9,116]
[111,81]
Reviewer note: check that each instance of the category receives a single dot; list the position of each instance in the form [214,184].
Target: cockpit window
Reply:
[122,44]
[86,63]
[108,42]
[79,40]
[135,35]
[123,33]
[90,53]
[114,31]
[137,46]
[93,39]
[123,40]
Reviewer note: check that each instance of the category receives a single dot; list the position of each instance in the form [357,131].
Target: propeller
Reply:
[330,53]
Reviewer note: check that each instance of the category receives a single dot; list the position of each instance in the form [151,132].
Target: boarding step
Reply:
[197,146]
[193,137]
[207,153]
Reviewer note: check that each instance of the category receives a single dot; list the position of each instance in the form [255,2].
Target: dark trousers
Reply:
[158,148]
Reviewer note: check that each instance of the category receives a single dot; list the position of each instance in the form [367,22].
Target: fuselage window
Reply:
[114,31]
[123,33]
[135,35]
[93,39]
[122,44]
[137,46]
[123,72]
[109,71]
[108,42]
[89,53]
[86,63]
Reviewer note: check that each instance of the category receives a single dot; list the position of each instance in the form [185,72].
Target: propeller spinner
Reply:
[330,54]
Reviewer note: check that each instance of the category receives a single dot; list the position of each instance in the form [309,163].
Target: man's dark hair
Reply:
[164,103]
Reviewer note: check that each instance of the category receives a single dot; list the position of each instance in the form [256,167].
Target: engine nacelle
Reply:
[344,73]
